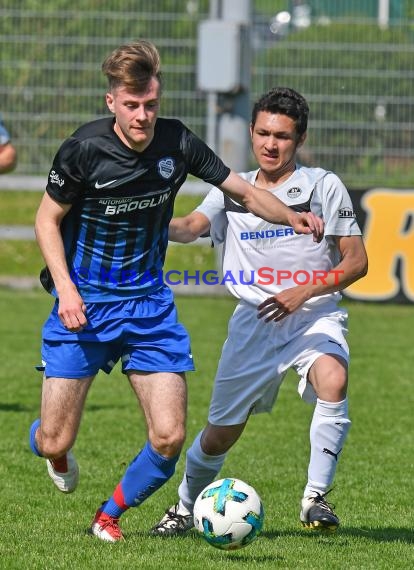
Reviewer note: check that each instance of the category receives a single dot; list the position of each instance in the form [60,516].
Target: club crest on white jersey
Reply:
[294,192]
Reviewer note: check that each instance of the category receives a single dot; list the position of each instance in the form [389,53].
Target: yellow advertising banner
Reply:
[386,218]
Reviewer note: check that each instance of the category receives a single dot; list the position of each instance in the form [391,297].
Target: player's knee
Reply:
[329,378]
[218,440]
[169,444]
[215,447]
[53,446]
[333,390]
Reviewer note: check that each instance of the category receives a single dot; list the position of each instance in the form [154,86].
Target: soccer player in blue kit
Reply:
[102,227]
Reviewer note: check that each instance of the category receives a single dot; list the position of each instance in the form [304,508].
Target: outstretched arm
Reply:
[188,228]
[264,204]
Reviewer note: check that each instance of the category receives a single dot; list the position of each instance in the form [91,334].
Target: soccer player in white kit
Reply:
[293,284]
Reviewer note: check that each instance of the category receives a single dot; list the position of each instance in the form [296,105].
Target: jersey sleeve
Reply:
[213,208]
[337,208]
[212,204]
[202,161]
[65,177]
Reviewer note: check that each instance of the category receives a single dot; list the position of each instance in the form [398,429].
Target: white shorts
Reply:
[257,355]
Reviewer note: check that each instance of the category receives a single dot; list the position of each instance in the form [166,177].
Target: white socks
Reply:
[200,470]
[328,432]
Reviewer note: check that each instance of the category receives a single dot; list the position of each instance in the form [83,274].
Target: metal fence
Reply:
[354,65]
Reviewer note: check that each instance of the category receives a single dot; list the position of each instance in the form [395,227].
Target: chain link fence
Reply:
[353,64]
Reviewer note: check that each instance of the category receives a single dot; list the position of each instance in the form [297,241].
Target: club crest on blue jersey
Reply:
[166,167]
[294,192]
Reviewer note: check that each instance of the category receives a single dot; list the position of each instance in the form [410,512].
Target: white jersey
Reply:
[261,259]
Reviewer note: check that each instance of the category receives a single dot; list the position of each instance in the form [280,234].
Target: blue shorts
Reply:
[143,332]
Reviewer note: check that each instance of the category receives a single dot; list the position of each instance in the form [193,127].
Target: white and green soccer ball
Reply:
[229,514]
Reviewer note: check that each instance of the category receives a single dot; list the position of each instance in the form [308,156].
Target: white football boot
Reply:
[66,481]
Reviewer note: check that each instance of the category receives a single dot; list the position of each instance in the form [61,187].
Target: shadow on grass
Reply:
[100,407]
[241,557]
[232,556]
[386,534]
[14,407]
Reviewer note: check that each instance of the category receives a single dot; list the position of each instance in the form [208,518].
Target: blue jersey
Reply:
[116,233]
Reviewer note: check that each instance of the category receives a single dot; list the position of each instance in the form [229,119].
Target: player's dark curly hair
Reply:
[132,66]
[284,101]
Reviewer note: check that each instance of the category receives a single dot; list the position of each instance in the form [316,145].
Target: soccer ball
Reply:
[229,514]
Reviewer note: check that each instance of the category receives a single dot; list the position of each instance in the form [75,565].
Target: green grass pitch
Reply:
[373,494]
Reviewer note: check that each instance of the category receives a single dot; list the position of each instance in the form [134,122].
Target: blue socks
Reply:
[144,475]
[32,439]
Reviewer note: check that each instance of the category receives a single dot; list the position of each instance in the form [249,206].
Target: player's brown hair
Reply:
[132,66]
